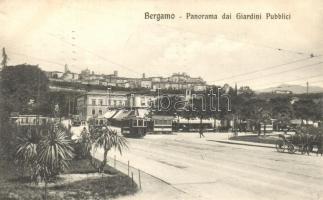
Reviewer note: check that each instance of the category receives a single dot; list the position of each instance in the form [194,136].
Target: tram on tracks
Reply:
[132,123]
[134,126]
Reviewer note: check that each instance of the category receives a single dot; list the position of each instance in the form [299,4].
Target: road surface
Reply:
[204,169]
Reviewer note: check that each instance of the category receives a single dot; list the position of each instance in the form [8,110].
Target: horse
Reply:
[319,143]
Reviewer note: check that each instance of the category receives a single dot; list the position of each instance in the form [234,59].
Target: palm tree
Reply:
[106,138]
[55,150]
[26,154]
[47,151]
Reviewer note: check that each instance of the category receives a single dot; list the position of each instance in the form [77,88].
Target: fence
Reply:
[134,173]
[144,180]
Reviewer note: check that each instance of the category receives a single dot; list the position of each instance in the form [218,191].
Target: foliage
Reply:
[91,187]
[102,137]
[45,151]
[311,130]
[24,89]
[168,105]
[307,109]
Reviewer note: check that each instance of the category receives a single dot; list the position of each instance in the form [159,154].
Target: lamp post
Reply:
[109,97]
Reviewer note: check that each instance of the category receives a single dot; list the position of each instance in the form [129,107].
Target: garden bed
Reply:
[80,181]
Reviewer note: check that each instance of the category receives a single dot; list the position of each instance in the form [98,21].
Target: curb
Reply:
[245,144]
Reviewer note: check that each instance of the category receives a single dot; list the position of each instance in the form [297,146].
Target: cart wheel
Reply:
[280,146]
[291,148]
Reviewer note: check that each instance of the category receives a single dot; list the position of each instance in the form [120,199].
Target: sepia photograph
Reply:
[161,100]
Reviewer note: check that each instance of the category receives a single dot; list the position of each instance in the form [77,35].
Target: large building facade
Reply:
[97,103]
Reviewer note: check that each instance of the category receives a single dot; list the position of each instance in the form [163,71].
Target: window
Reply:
[134,122]
[100,102]
[140,122]
[93,102]
[100,112]
[143,103]
[93,111]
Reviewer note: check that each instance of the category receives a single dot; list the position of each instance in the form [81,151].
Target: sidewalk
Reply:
[235,142]
[151,187]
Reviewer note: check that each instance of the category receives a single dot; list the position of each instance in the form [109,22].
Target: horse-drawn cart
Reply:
[285,144]
[303,143]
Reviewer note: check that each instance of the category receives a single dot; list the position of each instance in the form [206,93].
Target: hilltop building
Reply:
[177,81]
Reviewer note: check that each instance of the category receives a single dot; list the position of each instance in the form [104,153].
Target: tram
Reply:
[133,126]
[193,125]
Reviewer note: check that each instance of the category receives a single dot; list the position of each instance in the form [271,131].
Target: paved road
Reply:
[209,170]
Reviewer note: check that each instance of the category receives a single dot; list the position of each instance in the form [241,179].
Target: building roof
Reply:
[162,117]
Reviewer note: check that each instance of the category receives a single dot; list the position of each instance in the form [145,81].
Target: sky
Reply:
[114,35]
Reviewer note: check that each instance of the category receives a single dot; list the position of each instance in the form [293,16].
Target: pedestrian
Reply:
[201,132]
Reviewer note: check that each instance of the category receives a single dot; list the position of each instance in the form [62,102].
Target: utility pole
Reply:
[69,106]
[5,58]
[307,87]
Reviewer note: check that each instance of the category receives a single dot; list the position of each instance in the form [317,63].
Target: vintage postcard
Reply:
[143,99]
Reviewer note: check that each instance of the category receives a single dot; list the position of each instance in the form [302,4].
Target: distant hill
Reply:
[296,89]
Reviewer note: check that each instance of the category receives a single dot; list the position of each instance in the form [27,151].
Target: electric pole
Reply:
[307,87]
[5,58]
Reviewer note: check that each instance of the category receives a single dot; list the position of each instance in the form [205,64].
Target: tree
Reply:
[27,151]
[188,114]
[282,110]
[24,89]
[101,137]
[257,110]
[166,105]
[307,109]
[203,106]
[45,150]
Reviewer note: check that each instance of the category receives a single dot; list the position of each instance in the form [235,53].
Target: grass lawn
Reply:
[78,182]
[257,139]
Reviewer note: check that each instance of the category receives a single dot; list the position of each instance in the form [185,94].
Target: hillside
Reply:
[296,89]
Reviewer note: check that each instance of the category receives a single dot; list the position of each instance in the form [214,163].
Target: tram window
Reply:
[140,122]
[134,122]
